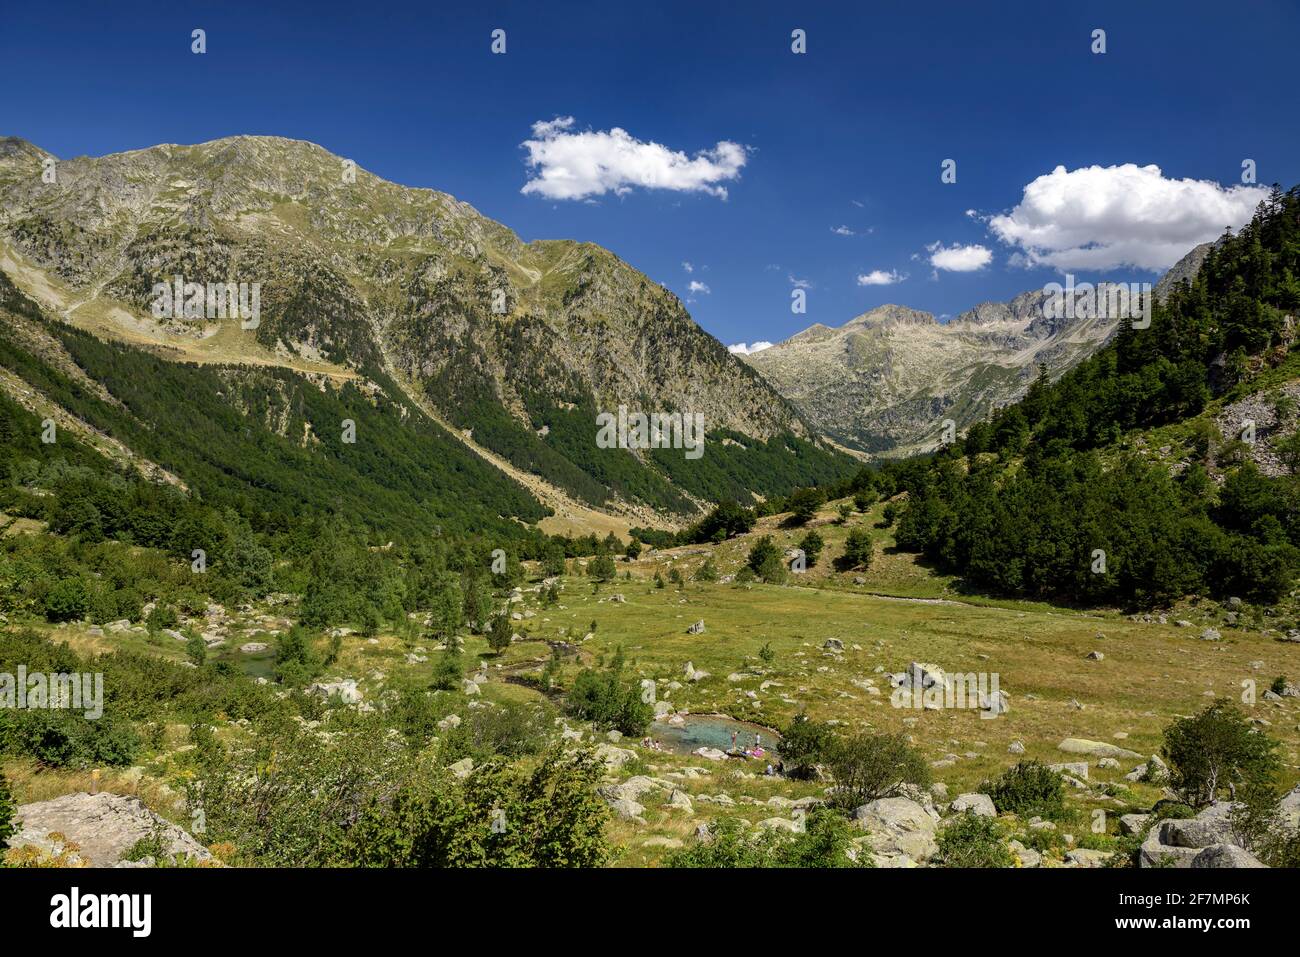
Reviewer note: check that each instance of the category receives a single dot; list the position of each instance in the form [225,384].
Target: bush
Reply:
[762,552]
[500,633]
[449,672]
[708,572]
[66,600]
[602,568]
[857,551]
[500,816]
[804,745]
[826,842]
[603,698]
[1030,788]
[811,545]
[870,766]
[65,739]
[7,808]
[969,840]
[1217,750]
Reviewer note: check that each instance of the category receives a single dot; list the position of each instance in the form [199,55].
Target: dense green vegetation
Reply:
[1038,500]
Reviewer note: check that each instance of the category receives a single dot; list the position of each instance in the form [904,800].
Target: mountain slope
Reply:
[522,344]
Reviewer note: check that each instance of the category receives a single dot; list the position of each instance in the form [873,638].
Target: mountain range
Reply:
[886,382]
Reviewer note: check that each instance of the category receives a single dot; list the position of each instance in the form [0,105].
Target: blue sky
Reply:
[849,136]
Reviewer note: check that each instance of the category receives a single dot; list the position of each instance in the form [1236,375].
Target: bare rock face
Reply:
[104,827]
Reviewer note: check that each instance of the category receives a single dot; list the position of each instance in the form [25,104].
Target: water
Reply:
[711,731]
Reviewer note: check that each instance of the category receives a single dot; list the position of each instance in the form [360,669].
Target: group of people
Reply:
[755,752]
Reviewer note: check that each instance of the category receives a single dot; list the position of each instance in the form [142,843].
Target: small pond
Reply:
[712,731]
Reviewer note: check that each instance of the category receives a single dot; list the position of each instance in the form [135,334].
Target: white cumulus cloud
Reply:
[696,286]
[743,349]
[1101,217]
[958,258]
[575,165]
[879,277]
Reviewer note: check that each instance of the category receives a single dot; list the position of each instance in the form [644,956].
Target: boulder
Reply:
[899,825]
[628,810]
[979,804]
[1078,769]
[1027,856]
[1133,824]
[713,754]
[345,690]
[679,801]
[1084,857]
[1211,826]
[104,827]
[833,644]
[614,757]
[697,628]
[634,788]
[794,826]
[1096,749]
[1225,855]
[462,768]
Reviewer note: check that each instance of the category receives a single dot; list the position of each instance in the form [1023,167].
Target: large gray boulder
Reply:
[899,826]
[103,826]
[979,804]
[1179,843]
[1225,855]
[1095,749]
[1211,826]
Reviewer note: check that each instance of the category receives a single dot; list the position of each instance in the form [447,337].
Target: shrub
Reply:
[762,552]
[857,551]
[811,545]
[1030,788]
[7,808]
[1217,750]
[708,572]
[870,766]
[500,816]
[449,672]
[826,842]
[605,699]
[500,633]
[66,600]
[602,568]
[65,739]
[969,840]
[804,745]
